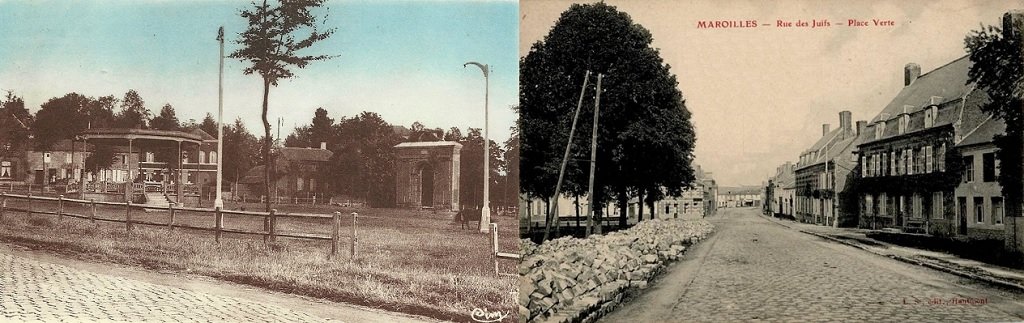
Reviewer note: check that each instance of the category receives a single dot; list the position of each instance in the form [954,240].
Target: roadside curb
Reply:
[990,280]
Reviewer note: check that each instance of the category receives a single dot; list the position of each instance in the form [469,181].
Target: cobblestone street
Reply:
[755,270]
[31,290]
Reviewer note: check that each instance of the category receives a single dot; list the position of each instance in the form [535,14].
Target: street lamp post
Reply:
[219,201]
[485,212]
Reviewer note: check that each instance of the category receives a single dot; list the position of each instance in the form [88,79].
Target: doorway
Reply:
[426,185]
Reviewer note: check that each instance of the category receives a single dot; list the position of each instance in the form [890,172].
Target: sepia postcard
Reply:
[790,161]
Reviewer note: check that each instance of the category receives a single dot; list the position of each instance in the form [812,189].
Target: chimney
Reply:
[1013,24]
[844,122]
[861,126]
[910,73]
[824,130]
[323,145]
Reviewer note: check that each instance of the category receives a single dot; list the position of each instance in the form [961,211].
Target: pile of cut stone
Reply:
[579,280]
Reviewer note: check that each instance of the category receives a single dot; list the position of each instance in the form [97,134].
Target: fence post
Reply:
[273,225]
[266,223]
[60,208]
[217,217]
[3,205]
[170,209]
[29,202]
[335,233]
[354,239]
[314,199]
[494,244]
[128,215]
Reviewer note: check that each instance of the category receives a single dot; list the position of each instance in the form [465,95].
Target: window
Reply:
[150,156]
[298,184]
[666,204]
[942,157]
[312,184]
[968,169]
[916,206]
[879,129]
[864,166]
[46,157]
[885,164]
[979,209]
[67,158]
[213,160]
[202,157]
[883,203]
[997,210]
[904,120]
[124,159]
[5,169]
[988,167]
[929,159]
[929,116]
[893,170]
[910,161]
[938,211]
[869,208]
[962,208]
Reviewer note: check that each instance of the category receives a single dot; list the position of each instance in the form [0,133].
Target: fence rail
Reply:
[270,232]
[498,255]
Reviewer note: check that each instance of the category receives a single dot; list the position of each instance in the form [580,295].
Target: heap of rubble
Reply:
[579,280]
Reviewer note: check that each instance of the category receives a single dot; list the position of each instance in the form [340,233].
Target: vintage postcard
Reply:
[258,161]
[710,161]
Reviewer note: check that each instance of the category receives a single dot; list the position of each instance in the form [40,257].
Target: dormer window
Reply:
[879,129]
[904,122]
[929,116]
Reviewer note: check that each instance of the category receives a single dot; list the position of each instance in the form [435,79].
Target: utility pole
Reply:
[218,202]
[593,163]
[553,212]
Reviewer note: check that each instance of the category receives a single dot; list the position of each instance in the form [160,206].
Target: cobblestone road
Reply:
[36,291]
[755,270]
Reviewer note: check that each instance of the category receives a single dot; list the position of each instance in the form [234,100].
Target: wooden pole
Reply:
[170,210]
[3,205]
[128,215]
[494,244]
[593,163]
[273,225]
[565,160]
[354,239]
[60,208]
[219,218]
[335,233]
[29,202]
[92,207]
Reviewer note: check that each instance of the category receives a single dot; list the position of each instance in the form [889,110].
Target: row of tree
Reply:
[363,163]
[644,135]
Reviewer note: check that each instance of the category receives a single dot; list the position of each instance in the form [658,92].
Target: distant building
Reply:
[979,198]
[743,196]
[822,173]
[298,173]
[783,191]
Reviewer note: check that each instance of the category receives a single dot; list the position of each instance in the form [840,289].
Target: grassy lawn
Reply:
[408,261]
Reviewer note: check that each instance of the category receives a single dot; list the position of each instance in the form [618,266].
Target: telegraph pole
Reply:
[593,163]
[219,201]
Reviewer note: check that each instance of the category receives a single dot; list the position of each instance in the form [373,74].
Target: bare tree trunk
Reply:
[640,206]
[266,143]
[547,219]
[623,207]
[650,204]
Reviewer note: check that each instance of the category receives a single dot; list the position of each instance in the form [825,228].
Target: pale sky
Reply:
[759,96]
[401,59]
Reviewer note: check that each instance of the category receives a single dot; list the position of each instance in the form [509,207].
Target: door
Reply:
[962,214]
[39,177]
[427,185]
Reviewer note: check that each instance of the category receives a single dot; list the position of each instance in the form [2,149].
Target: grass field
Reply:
[417,262]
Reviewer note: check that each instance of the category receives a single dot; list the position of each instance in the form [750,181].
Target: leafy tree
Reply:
[998,68]
[240,150]
[272,42]
[58,119]
[364,159]
[321,129]
[134,113]
[642,110]
[209,125]
[300,137]
[166,120]
[419,132]
[99,113]
[101,157]
[471,168]
[15,125]
[453,134]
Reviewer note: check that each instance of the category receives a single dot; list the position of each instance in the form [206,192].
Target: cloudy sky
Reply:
[401,59]
[759,96]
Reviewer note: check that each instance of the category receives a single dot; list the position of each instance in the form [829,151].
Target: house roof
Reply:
[202,134]
[948,81]
[984,133]
[305,154]
[253,176]
[428,144]
[739,190]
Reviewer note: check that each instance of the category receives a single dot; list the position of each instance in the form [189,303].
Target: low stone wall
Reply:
[580,280]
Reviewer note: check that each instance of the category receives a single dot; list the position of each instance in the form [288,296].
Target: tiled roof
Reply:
[254,175]
[305,154]
[948,81]
[741,190]
[202,134]
[428,144]
[984,133]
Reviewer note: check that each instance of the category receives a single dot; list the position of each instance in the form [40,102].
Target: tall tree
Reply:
[15,125]
[642,109]
[271,44]
[511,163]
[134,113]
[58,119]
[998,68]
[240,151]
[209,125]
[471,168]
[364,159]
[100,112]
[166,120]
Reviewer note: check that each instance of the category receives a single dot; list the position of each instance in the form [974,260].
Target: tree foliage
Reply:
[645,137]
[166,120]
[134,113]
[15,125]
[271,44]
[998,68]
[209,125]
[58,119]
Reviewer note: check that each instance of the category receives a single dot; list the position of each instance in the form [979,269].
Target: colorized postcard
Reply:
[258,161]
[701,161]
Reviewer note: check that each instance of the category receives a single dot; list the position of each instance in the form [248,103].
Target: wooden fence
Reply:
[498,255]
[269,233]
